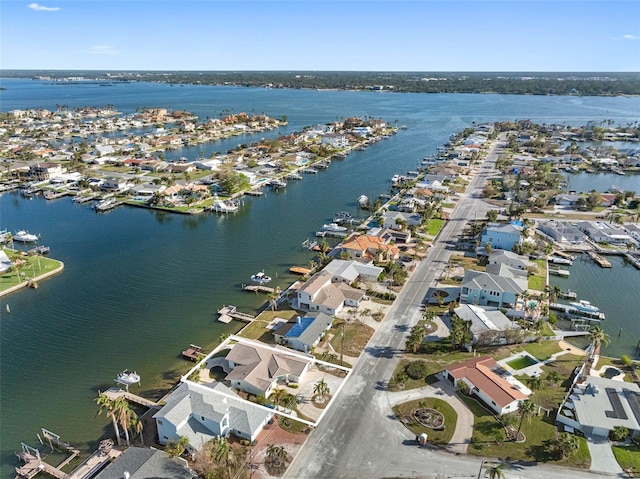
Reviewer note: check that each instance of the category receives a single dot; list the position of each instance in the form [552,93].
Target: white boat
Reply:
[220,206]
[294,176]
[568,294]
[341,216]
[127,378]
[105,204]
[260,278]
[586,306]
[25,237]
[277,183]
[333,227]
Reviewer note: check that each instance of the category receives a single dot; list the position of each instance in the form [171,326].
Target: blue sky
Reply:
[373,35]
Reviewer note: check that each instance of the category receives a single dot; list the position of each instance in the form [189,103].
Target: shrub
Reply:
[293,385]
[626,360]
[416,370]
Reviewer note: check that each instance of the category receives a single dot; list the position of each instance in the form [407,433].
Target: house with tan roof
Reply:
[489,382]
[322,293]
[369,248]
[257,368]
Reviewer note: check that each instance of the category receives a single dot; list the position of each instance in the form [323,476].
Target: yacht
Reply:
[25,237]
[585,306]
[221,206]
[333,227]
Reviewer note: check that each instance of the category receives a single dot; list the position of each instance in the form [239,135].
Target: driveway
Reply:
[602,458]
[445,391]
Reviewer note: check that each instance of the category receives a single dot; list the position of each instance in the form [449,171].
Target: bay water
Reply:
[139,285]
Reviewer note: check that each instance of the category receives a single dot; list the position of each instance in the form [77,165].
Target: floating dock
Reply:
[599,260]
[560,272]
[192,353]
[227,313]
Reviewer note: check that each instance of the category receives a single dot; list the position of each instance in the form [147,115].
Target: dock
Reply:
[257,288]
[334,234]
[562,254]
[574,313]
[115,393]
[560,272]
[599,260]
[33,463]
[299,270]
[227,313]
[633,260]
[192,353]
[309,244]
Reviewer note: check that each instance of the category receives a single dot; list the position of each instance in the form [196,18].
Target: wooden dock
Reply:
[192,353]
[115,393]
[599,260]
[299,270]
[257,288]
[227,313]
[34,464]
[562,254]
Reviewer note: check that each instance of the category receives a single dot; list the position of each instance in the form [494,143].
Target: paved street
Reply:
[359,438]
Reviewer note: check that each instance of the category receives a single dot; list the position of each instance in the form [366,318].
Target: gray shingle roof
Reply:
[142,463]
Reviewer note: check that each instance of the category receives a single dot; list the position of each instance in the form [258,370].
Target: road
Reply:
[358,437]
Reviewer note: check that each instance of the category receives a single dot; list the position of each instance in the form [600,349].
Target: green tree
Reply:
[108,406]
[496,471]
[492,215]
[414,341]
[177,448]
[125,416]
[526,409]
[277,395]
[535,383]
[566,443]
[619,433]
[321,388]
[597,337]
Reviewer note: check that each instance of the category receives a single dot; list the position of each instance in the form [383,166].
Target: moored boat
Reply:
[333,227]
[127,377]
[260,278]
[25,237]
[584,305]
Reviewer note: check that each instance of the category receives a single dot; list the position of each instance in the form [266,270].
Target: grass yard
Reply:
[257,329]
[434,226]
[356,337]
[628,457]
[538,279]
[31,266]
[441,438]
[488,440]
[431,367]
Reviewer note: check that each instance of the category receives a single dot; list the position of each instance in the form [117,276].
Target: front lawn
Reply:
[442,437]
[628,457]
[489,440]
[434,226]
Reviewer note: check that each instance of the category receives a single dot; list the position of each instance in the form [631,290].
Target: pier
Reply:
[576,314]
[115,393]
[309,244]
[560,272]
[599,260]
[257,288]
[192,353]
[227,313]
[334,234]
[633,260]
[33,463]
[299,270]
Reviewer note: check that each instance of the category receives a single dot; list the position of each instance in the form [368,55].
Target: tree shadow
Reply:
[382,351]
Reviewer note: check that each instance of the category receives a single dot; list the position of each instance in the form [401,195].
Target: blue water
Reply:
[139,286]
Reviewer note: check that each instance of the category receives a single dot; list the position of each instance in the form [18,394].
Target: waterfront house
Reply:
[398,219]
[513,260]
[146,463]
[602,232]
[486,380]
[486,289]
[566,199]
[350,271]
[147,189]
[489,326]
[303,333]
[5,262]
[201,412]
[321,293]
[335,140]
[502,235]
[115,184]
[45,171]
[597,405]
[369,248]
[257,368]
[561,231]
[634,231]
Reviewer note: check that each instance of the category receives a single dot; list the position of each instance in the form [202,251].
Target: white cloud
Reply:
[103,50]
[42,8]
[630,37]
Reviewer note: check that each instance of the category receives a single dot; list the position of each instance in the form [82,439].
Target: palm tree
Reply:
[321,388]
[108,405]
[278,395]
[414,341]
[597,336]
[526,408]
[125,416]
[554,294]
[565,443]
[496,471]
[535,383]
[176,449]
[555,377]
[138,426]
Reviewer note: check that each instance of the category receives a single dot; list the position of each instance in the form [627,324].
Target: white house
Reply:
[322,294]
[257,368]
[201,412]
[502,235]
[303,333]
[486,380]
